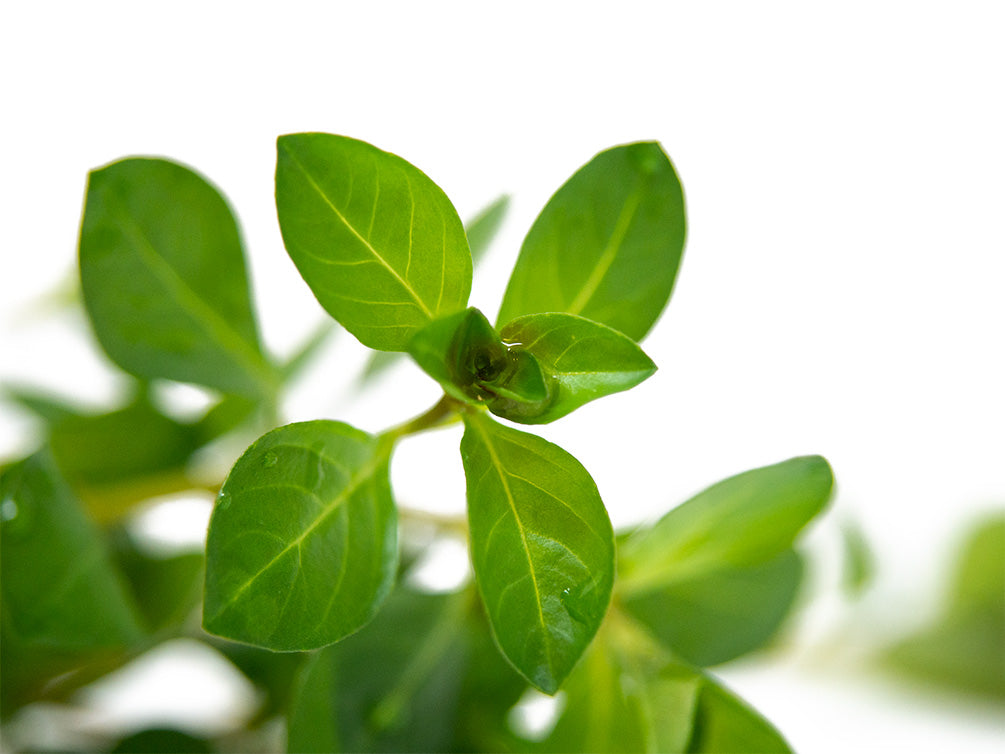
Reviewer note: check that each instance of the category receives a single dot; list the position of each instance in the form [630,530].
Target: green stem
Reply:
[446,411]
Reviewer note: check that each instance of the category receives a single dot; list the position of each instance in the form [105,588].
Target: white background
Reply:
[841,292]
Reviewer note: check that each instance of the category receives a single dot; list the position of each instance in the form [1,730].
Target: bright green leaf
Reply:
[377,241]
[725,724]
[164,281]
[859,561]
[435,349]
[60,588]
[394,686]
[716,617]
[302,544]
[744,520]
[480,231]
[607,245]
[585,360]
[542,547]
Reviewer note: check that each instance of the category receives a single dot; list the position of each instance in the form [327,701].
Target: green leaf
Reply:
[164,281]
[60,588]
[716,617]
[442,347]
[482,228]
[607,245]
[302,544]
[377,241]
[859,561]
[725,724]
[744,520]
[963,648]
[49,408]
[541,545]
[584,360]
[166,589]
[480,231]
[162,741]
[394,686]
[626,700]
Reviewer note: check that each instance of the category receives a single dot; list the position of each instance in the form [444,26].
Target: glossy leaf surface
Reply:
[541,544]
[394,686]
[744,520]
[377,241]
[607,245]
[716,617]
[302,544]
[583,360]
[60,588]
[164,280]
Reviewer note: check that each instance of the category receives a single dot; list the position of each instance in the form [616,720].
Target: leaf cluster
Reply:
[305,584]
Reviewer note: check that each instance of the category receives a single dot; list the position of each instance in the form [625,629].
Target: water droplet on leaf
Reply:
[223,501]
[8,510]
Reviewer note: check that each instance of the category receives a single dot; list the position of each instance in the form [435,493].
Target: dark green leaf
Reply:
[744,520]
[542,547]
[607,245]
[302,544]
[584,360]
[223,417]
[716,617]
[162,741]
[166,589]
[60,588]
[377,241]
[725,724]
[394,686]
[436,348]
[164,282]
[482,228]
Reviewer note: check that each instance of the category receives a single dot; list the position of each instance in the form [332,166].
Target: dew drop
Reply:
[270,460]
[572,605]
[223,501]
[8,510]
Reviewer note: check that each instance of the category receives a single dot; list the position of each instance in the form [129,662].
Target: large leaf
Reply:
[60,588]
[585,360]
[302,544]
[163,277]
[716,617]
[541,544]
[744,520]
[394,686]
[607,245]
[377,241]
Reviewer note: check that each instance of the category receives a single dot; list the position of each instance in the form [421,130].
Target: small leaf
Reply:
[607,245]
[859,561]
[585,360]
[302,544]
[963,648]
[725,724]
[60,588]
[541,545]
[716,617]
[482,228]
[436,348]
[744,520]
[163,277]
[377,241]
[394,686]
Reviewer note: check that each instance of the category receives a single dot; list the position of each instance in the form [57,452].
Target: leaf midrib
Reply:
[366,243]
[610,252]
[501,472]
[362,476]
[211,322]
